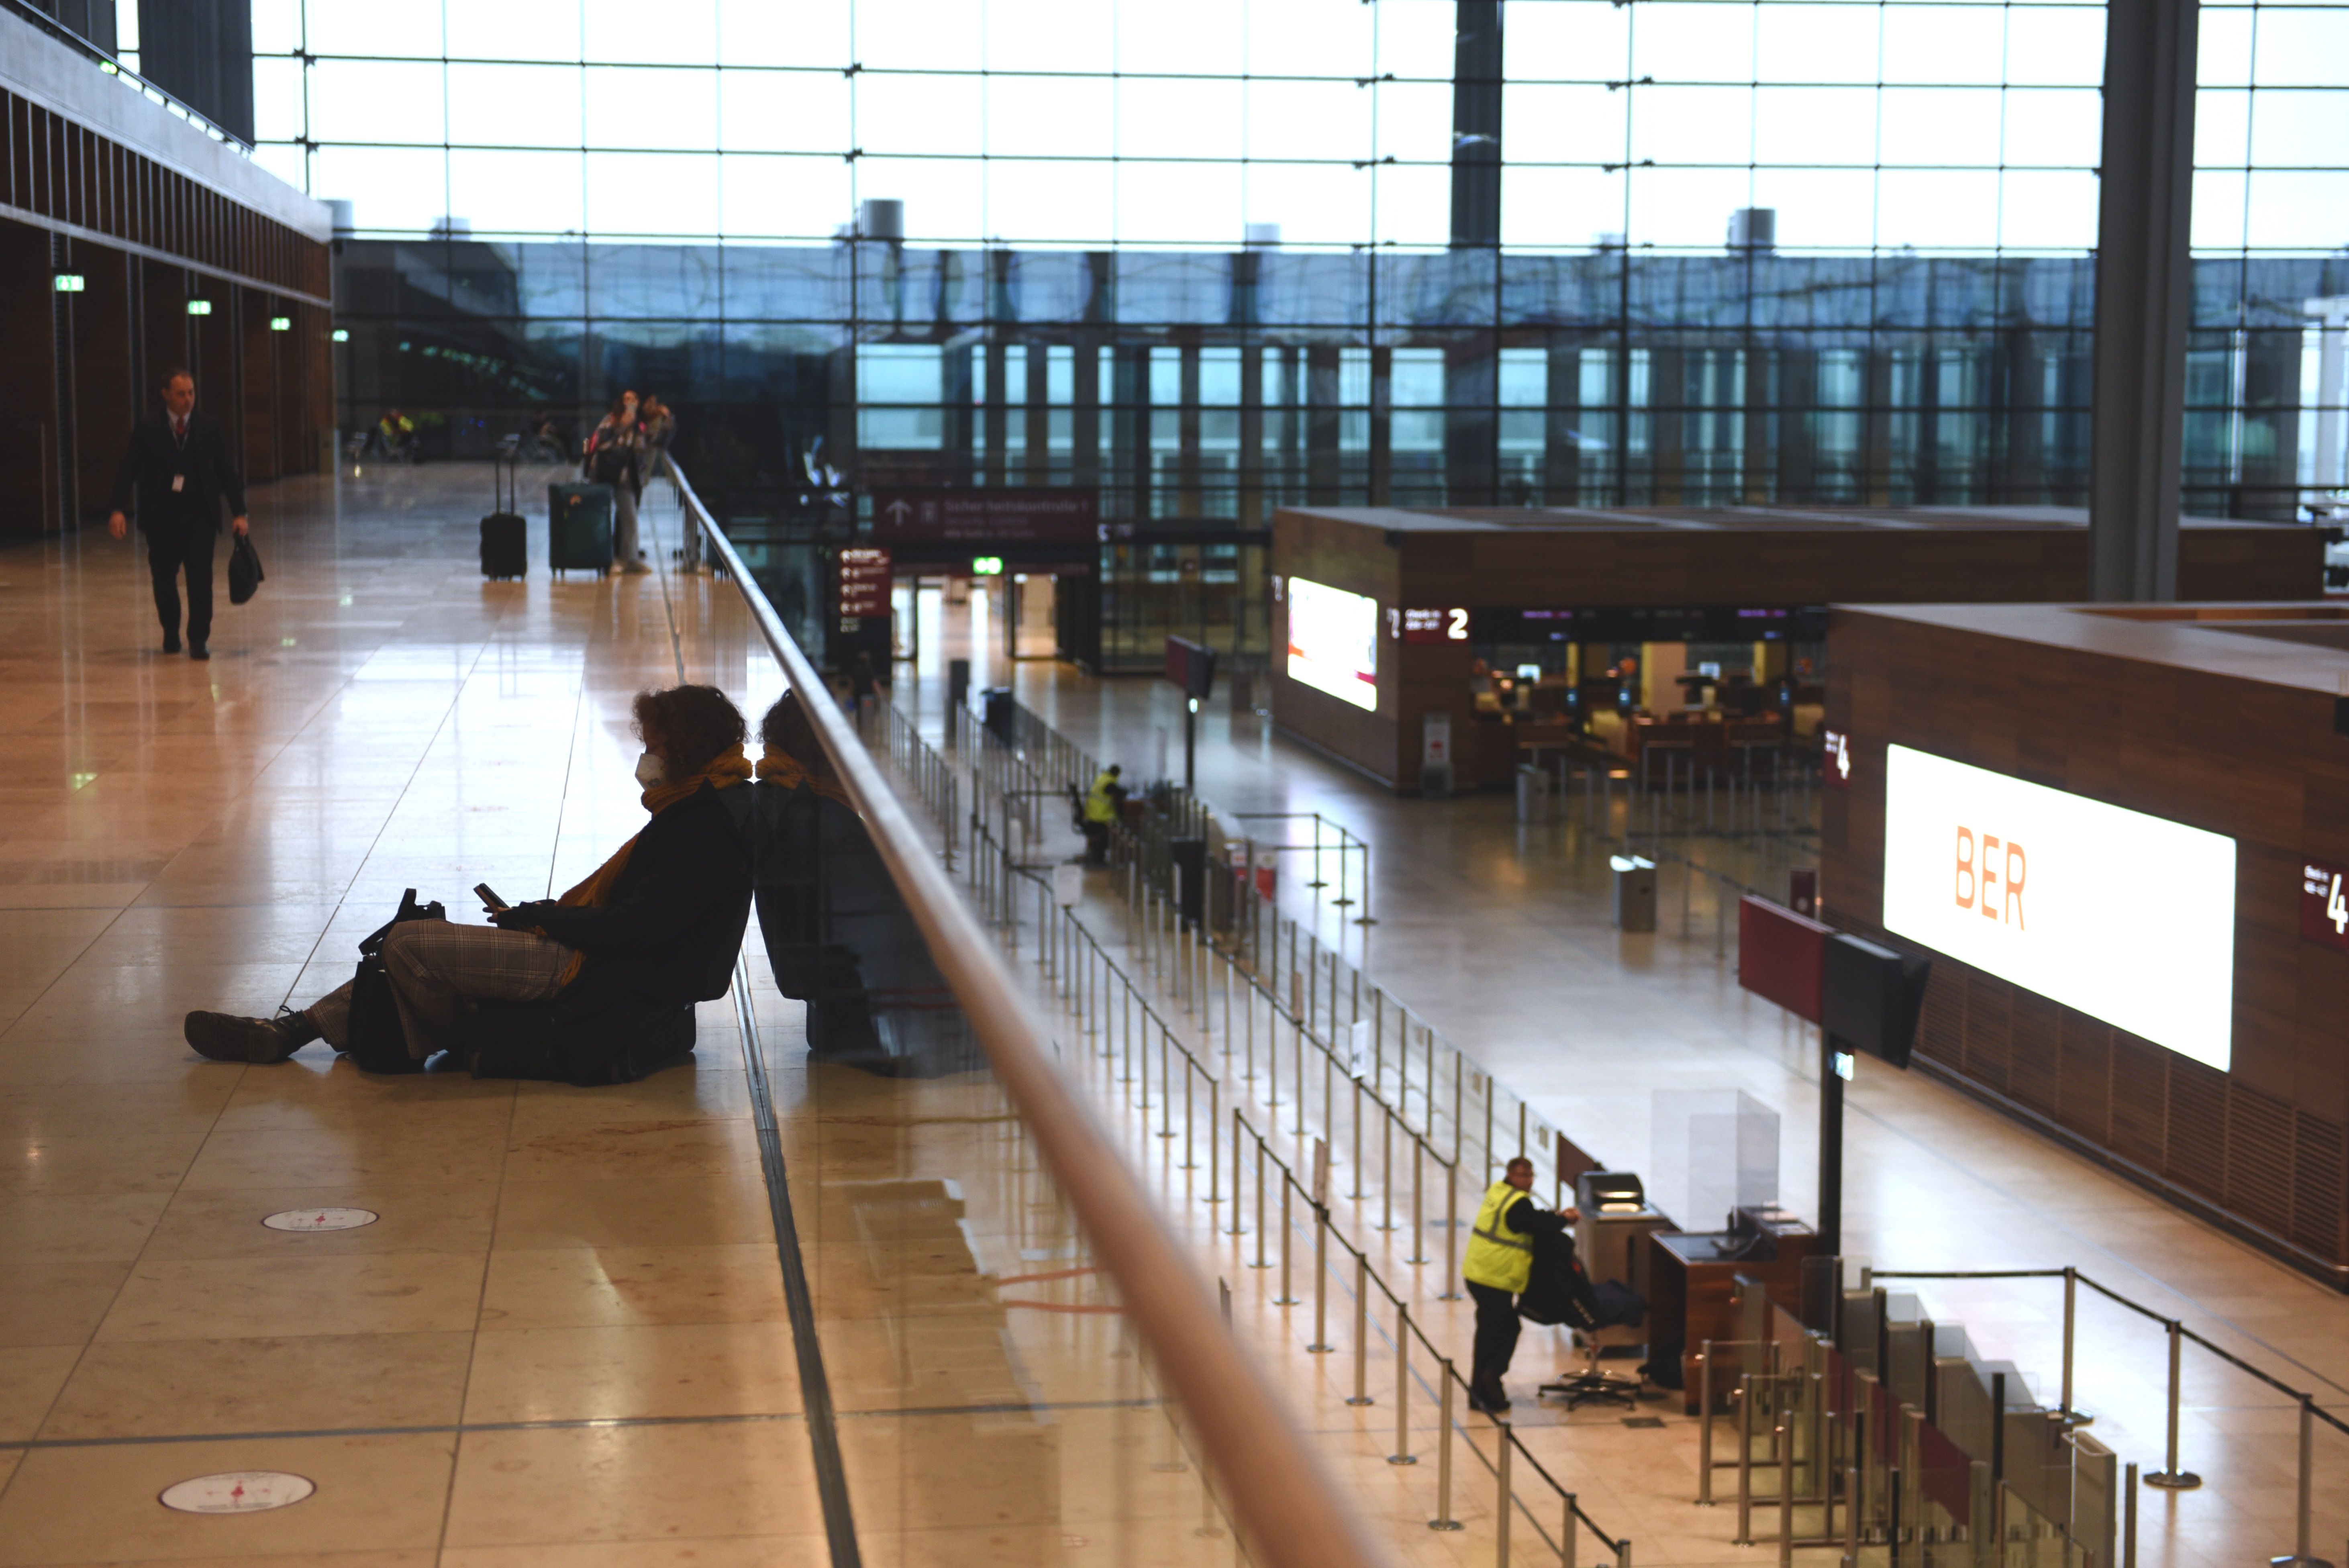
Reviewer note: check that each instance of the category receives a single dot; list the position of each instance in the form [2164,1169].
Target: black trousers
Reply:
[1496,1335]
[169,549]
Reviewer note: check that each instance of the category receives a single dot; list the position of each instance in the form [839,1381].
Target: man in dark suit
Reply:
[179,463]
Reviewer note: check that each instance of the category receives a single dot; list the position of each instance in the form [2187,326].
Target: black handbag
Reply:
[244,572]
[375,1040]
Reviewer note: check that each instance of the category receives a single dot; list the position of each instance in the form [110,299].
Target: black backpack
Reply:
[375,1040]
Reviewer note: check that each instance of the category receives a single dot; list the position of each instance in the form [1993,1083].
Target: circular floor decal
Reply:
[238,1491]
[321,1219]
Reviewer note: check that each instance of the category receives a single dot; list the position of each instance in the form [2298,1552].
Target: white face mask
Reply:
[651,770]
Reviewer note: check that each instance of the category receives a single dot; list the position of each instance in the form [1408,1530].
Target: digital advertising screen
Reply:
[1333,642]
[2128,918]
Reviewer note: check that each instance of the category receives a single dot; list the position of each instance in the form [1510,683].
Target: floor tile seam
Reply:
[422,1428]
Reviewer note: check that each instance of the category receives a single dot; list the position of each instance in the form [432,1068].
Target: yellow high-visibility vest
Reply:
[1099,807]
[1498,1257]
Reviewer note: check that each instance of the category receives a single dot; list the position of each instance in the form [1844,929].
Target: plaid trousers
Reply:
[436,968]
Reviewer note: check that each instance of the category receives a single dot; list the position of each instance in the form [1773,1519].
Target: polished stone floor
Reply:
[567,1339]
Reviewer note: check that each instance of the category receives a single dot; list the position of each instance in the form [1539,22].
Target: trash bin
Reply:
[1635,892]
[1533,793]
[995,703]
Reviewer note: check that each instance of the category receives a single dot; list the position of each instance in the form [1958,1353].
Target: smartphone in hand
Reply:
[490,900]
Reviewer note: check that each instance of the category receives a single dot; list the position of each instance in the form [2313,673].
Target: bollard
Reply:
[1321,1346]
[2169,1477]
[2129,1517]
[1296,1064]
[1501,1509]
[1744,1429]
[1386,1161]
[1784,1441]
[1402,1454]
[2302,1556]
[1451,1232]
[2072,1415]
[1362,1331]
[1166,1082]
[1704,1425]
[1188,1162]
[1443,1519]
[1417,1230]
[1260,1263]
[1214,1145]
[1236,1168]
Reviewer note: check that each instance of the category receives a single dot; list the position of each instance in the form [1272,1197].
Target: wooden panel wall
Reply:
[54,169]
[2260,1148]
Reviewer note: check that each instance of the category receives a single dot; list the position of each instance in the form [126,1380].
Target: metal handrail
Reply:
[1281,1498]
[114,67]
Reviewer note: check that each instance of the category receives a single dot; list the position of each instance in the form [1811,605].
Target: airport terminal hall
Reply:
[1097,783]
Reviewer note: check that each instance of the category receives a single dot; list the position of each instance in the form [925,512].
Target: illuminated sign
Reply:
[2127,917]
[986,565]
[2324,911]
[864,579]
[1333,642]
[281,323]
[1429,624]
[71,283]
[200,307]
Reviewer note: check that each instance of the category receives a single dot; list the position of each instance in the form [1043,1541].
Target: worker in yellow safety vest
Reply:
[1499,1262]
[1101,813]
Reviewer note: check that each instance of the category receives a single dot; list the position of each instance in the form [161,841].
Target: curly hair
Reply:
[693,725]
[787,729]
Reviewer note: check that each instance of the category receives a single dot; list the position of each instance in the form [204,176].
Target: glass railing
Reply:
[999,1337]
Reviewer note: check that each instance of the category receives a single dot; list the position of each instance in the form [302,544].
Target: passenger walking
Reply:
[1499,1263]
[615,456]
[178,466]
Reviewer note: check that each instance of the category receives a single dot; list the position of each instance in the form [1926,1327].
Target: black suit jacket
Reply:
[151,460]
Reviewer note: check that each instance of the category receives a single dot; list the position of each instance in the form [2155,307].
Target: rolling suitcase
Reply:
[579,527]
[504,537]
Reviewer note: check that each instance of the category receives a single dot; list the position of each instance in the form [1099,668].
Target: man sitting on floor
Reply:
[658,925]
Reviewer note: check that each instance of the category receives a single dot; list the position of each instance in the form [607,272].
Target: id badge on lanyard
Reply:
[179,483]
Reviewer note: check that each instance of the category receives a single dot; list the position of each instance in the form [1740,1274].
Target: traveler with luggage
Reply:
[657,926]
[178,466]
[615,456]
[1498,1265]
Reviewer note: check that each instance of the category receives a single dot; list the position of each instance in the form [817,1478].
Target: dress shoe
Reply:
[171,642]
[1492,1400]
[198,650]
[224,1037]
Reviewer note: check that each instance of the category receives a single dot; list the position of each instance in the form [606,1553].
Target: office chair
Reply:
[1607,1305]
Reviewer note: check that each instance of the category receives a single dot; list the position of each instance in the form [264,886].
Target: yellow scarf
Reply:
[785,771]
[724,772]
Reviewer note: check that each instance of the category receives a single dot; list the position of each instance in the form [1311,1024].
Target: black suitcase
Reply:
[506,538]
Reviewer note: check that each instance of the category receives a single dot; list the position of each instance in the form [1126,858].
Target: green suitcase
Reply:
[579,527]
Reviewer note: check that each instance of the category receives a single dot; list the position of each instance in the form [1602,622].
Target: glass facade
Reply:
[1219,257]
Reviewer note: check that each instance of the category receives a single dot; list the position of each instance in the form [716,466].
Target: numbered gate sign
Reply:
[2323,907]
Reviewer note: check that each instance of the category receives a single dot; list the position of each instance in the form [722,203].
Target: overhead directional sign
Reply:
[985,515]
